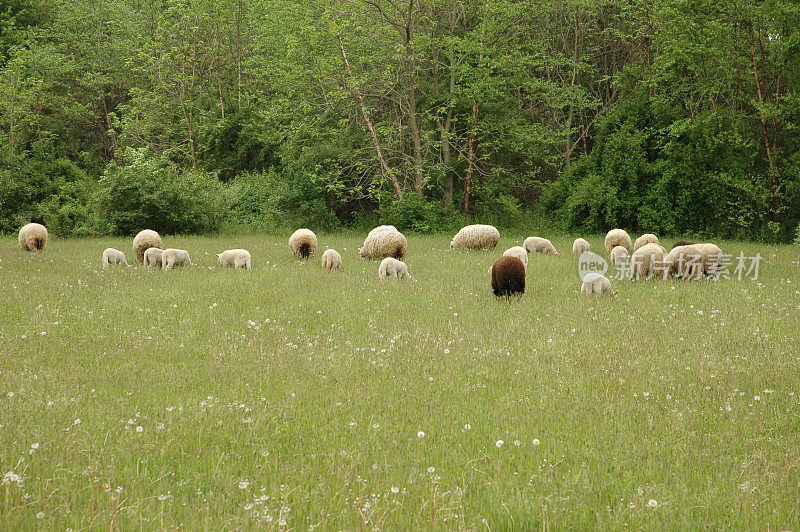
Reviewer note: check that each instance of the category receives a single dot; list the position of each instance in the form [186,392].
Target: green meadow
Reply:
[288,397]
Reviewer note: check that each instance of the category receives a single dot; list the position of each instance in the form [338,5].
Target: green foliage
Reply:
[667,116]
[274,201]
[240,142]
[413,213]
[651,170]
[151,192]
[54,193]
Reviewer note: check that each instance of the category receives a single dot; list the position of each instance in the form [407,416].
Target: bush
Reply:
[412,213]
[652,171]
[55,193]
[152,193]
[270,201]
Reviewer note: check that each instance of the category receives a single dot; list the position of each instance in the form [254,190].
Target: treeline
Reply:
[667,116]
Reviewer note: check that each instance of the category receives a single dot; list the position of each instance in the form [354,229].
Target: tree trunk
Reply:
[470,156]
[384,166]
[773,173]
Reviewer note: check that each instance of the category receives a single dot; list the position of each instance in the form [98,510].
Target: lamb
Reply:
[535,244]
[519,252]
[303,243]
[152,257]
[393,268]
[596,284]
[384,241]
[508,277]
[113,257]
[579,246]
[617,237]
[174,257]
[234,258]
[145,240]
[33,237]
[476,236]
[331,260]
[619,256]
[685,261]
[643,240]
[646,261]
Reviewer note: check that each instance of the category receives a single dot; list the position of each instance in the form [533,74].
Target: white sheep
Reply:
[145,240]
[535,244]
[645,239]
[303,243]
[393,268]
[113,257]
[580,245]
[617,237]
[384,241]
[711,257]
[619,256]
[174,257]
[33,237]
[596,284]
[685,261]
[331,260]
[646,261]
[234,258]
[152,257]
[519,252]
[476,236]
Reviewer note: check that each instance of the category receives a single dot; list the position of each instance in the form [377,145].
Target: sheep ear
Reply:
[218,254]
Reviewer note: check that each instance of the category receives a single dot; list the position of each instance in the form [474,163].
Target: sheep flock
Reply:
[641,259]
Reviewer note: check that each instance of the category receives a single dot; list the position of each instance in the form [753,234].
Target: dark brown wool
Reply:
[508,276]
[681,243]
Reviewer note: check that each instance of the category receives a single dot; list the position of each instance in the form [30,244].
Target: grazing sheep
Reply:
[234,258]
[596,284]
[617,237]
[682,243]
[579,246]
[685,262]
[508,277]
[535,244]
[476,236]
[174,257]
[645,261]
[519,252]
[619,256]
[384,241]
[331,260]
[113,257]
[33,237]
[391,267]
[643,240]
[145,240]
[152,257]
[303,243]
[711,257]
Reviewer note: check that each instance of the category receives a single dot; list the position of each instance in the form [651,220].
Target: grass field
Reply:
[295,398]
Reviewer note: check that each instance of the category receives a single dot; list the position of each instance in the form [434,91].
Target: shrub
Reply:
[55,193]
[271,200]
[150,192]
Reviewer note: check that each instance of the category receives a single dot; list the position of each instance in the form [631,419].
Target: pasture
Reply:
[292,398]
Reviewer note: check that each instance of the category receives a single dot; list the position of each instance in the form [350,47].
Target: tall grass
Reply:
[291,397]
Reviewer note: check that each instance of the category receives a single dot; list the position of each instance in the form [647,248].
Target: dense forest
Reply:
[666,116]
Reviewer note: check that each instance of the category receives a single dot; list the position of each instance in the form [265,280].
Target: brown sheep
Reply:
[682,243]
[508,277]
